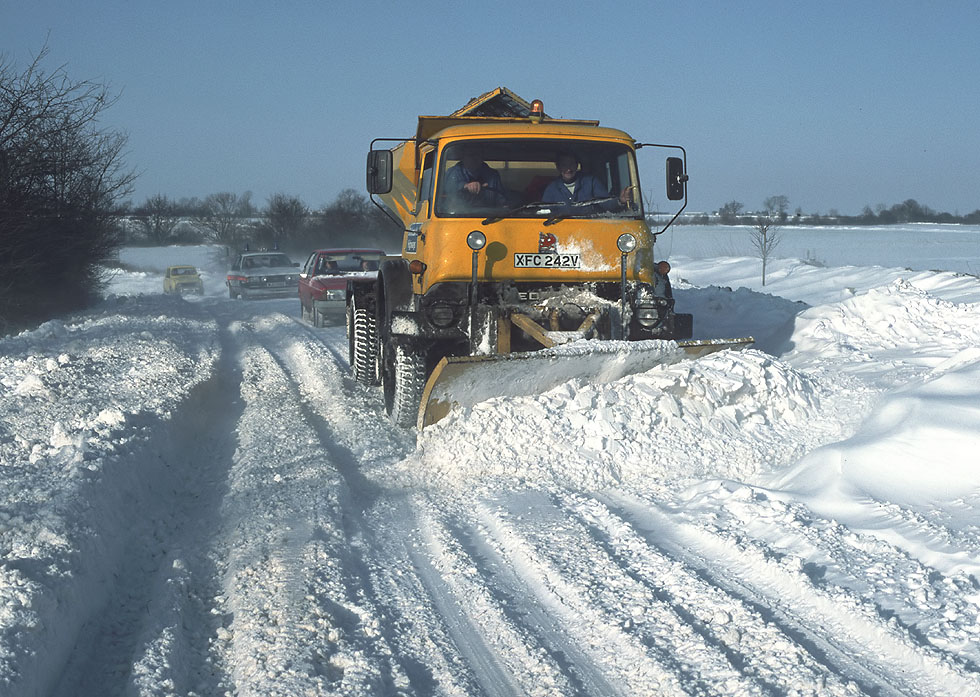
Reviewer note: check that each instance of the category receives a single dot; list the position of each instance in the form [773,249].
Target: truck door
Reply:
[415,237]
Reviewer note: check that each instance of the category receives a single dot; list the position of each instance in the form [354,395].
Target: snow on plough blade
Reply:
[462,381]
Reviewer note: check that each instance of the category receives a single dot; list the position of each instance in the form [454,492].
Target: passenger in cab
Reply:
[575,186]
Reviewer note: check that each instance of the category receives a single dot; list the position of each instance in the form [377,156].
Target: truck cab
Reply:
[538,229]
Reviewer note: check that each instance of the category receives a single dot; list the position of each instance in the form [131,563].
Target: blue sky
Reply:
[836,105]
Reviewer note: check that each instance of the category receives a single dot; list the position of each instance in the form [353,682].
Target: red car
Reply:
[323,280]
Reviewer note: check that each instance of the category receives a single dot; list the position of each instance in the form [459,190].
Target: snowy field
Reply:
[195,499]
[921,247]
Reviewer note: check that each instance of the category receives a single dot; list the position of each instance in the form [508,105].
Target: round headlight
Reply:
[476,240]
[441,315]
[626,243]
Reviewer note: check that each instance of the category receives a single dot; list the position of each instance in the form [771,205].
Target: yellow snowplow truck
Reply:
[526,261]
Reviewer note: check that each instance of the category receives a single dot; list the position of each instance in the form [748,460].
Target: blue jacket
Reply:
[587,188]
[458,176]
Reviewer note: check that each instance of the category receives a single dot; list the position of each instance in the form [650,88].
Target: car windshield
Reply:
[259,261]
[348,262]
[520,178]
[184,271]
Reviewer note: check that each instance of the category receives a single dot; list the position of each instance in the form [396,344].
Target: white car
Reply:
[263,275]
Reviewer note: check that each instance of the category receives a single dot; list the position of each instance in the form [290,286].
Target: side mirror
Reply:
[676,179]
[379,170]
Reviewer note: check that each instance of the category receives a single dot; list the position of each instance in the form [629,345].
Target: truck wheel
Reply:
[232,294]
[403,379]
[317,317]
[364,347]
[349,321]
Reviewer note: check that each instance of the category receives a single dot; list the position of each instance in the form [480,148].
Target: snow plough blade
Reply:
[462,381]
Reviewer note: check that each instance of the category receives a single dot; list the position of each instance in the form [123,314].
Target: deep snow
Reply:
[196,499]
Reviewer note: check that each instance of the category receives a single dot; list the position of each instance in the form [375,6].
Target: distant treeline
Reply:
[285,222]
[775,209]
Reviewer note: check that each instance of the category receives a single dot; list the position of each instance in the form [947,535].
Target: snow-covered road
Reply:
[198,500]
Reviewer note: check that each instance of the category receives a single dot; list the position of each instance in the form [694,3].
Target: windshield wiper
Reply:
[566,208]
[561,208]
[516,209]
[594,201]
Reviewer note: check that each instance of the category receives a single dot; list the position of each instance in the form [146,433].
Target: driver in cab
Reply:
[473,182]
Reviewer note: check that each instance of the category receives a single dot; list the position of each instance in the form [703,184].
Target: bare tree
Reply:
[351,220]
[285,217]
[729,212]
[61,179]
[765,238]
[650,200]
[778,207]
[225,218]
[157,218]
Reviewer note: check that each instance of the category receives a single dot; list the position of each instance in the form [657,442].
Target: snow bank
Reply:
[75,394]
[729,414]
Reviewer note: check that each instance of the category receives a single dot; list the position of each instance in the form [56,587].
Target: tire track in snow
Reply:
[754,646]
[517,588]
[373,565]
[876,564]
[324,609]
[507,660]
[158,624]
[839,626]
[594,606]
[481,650]
[441,648]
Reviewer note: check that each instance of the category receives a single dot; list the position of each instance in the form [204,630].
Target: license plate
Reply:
[275,284]
[547,261]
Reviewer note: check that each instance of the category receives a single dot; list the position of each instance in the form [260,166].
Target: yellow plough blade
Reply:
[462,381]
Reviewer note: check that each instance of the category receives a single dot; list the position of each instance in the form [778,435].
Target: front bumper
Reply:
[190,288]
[266,292]
[332,304]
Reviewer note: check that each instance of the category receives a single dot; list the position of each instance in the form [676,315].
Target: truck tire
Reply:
[403,379]
[349,322]
[364,347]
[318,320]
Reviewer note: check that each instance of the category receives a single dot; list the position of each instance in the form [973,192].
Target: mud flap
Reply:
[462,381]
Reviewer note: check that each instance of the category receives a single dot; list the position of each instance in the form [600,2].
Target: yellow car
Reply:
[182,279]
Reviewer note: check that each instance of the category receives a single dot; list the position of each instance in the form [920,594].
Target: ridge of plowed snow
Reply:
[728,414]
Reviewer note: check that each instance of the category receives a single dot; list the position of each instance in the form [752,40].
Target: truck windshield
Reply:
[530,178]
